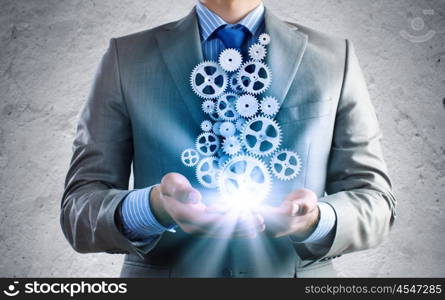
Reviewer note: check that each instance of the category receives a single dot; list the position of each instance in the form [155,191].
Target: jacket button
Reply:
[227,272]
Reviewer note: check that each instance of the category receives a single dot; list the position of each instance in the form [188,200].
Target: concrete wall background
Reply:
[51,48]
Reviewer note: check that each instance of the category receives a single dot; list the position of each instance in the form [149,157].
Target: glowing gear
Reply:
[247,106]
[208,80]
[257,52]
[207,144]
[226,107]
[245,181]
[208,106]
[261,136]
[230,60]
[264,39]
[254,77]
[231,145]
[234,84]
[206,126]
[227,129]
[190,157]
[286,165]
[207,172]
[270,106]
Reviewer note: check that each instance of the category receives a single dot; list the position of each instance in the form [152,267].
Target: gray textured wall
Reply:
[48,55]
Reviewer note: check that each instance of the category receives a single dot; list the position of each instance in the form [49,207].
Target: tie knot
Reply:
[233,36]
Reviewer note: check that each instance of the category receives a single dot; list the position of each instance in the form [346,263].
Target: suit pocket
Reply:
[140,270]
[304,111]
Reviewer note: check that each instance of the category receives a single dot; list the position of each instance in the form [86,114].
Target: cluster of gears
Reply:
[239,147]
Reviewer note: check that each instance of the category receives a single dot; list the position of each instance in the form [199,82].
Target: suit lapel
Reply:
[181,51]
[286,51]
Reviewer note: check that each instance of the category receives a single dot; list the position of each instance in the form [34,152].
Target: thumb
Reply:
[177,186]
[289,208]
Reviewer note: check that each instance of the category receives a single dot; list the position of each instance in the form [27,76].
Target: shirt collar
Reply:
[209,21]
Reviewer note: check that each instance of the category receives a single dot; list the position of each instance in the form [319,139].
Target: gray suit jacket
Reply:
[141,110]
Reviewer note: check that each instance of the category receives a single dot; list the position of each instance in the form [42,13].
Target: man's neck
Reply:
[231,11]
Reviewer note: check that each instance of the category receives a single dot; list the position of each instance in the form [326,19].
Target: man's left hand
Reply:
[297,215]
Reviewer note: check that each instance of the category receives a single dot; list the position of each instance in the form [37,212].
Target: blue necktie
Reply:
[232,37]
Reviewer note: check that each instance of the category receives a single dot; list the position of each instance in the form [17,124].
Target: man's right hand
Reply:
[176,201]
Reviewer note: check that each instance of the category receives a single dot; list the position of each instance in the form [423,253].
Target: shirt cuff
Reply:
[325,224]
[138,220]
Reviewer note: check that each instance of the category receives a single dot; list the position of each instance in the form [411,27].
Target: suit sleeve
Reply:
[358,186]
[97,180]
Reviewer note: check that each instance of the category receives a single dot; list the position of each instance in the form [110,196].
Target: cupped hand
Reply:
[175,201]
[297,215]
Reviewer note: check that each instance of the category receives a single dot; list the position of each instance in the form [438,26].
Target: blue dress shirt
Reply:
[138,220]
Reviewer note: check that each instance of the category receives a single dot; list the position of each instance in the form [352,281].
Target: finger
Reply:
[177,186]
[301,202]
[183,212]
[295,209]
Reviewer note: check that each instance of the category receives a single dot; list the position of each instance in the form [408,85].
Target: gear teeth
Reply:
[200,69]
[227,129]
[210,144]
[247,105]
[239,124]
[206,125]
[211,172]
[222,161]
[281,174]
[216,128]
[190,157]
[228,113]
[234,84]
[257,52]
[264,39]
[208,106]
[249,159]
[230,60]
[275,141]
[231,145]
[252,79]
[269,106]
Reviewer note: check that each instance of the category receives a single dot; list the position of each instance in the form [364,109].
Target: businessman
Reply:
[141,112]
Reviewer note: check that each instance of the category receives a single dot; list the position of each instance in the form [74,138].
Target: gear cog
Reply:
[240,123]
[246,179]
[216,128]
[223,160]
[206,126]
[230,60]
[207,172]
[286,165]
[261,136]
[264,39]
[214,116]
[257,52]
[234,84]
[270,106]
[227,129]
[254,77]
[207,144]
[231,145]
[226,107]
[208,80]
[247,106]
[208,106]
[190,157]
